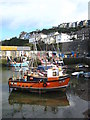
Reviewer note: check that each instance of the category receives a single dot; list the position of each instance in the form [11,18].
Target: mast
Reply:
[57,43]
[46,56]
[35,48]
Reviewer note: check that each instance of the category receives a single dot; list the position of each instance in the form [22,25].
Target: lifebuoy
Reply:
[44,84]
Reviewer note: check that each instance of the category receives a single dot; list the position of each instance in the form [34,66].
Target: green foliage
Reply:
[15,42]
[60,30]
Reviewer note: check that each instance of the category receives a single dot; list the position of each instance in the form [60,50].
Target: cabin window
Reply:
[54,73]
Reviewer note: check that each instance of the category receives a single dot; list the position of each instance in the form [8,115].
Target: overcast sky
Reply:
[28,15]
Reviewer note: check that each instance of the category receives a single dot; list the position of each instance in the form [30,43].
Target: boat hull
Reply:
[40,85]
[24,64]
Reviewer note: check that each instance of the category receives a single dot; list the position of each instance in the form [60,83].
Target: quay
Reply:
[17,51]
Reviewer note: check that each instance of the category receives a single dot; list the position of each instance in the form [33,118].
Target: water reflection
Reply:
[49,101]
[38,99]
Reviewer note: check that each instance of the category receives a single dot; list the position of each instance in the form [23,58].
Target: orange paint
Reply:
[53,78]
[52,85]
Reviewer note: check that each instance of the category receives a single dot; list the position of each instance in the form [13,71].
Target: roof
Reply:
[56,33]
[40,67]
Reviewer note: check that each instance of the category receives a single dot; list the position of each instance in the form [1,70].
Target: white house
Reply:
[57,37]
[49,40]
[85,23]
[32,38]
[70,24]
[22,35]
[60,38]
[36,37]
[65,37]
[73,24]
[43,37]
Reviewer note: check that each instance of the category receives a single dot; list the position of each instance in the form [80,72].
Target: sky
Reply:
[28,15]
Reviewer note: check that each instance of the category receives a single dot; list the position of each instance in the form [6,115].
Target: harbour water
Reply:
[72,103]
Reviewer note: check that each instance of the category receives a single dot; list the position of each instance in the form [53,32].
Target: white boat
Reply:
[77,73]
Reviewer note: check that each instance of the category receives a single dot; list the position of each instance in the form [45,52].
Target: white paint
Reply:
[49,73]
[8,53]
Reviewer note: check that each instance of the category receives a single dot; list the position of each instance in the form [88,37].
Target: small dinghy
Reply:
[77,73]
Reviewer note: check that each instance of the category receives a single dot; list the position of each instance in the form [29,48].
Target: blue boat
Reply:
[14,63]
[21,64]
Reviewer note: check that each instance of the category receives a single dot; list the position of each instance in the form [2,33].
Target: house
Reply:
[83,34]
[81,23]
[22,35]
[65,38]
[67,25]
[73,36]
[32,38]
[70,24]
[85,23]
[61,25]
[49,40]
[35,37]
[62,37]
[74,24]
[88,22]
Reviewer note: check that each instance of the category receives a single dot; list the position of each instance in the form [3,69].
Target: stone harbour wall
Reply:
[81,47]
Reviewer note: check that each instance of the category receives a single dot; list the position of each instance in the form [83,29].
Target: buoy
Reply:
[44,84]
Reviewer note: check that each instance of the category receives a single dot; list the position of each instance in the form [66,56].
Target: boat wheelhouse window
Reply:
[54,73]
[43,68]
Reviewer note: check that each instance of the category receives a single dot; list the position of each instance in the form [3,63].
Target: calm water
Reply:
[70,104]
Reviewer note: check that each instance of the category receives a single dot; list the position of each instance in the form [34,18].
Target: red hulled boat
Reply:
[52,79]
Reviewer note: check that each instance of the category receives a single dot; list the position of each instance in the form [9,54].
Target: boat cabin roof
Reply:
[40,67]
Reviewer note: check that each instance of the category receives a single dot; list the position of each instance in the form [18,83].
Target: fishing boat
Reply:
[51,78]
[81,74]
[21,69]
[23,64]
[45,78]
[77,73]
[55,60]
